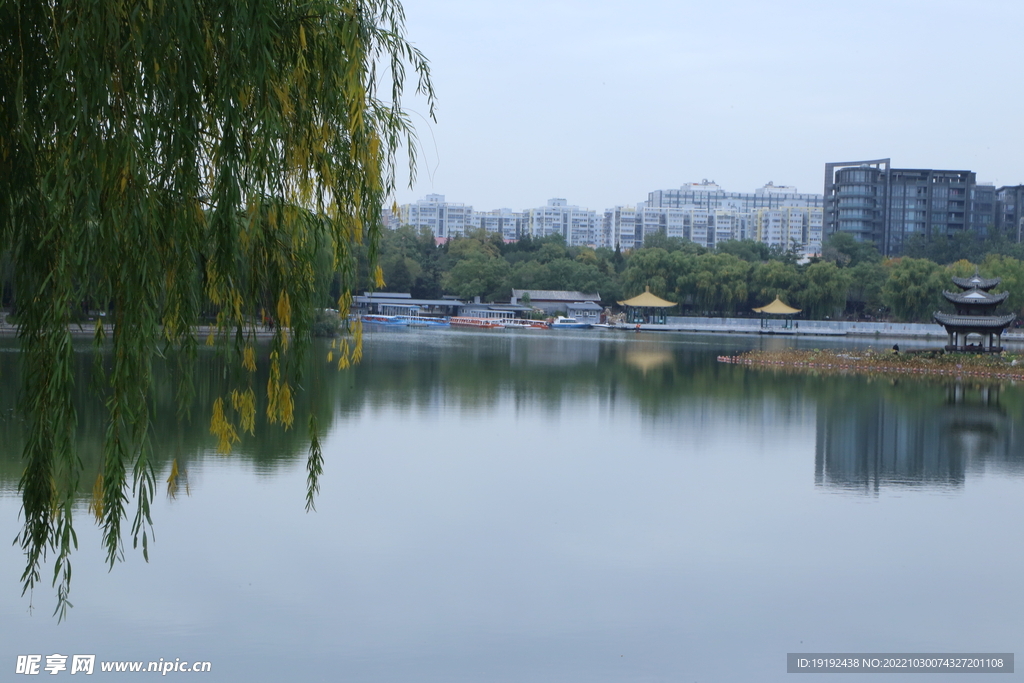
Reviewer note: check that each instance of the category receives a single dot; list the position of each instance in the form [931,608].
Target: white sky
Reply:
[601,102]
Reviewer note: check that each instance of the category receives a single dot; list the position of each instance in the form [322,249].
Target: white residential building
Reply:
[444,219]
[620,228]
[578,226]
[790,227]
[505,222]
[710,195]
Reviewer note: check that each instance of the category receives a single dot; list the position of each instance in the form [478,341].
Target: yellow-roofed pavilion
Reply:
[647,308]
[779,308]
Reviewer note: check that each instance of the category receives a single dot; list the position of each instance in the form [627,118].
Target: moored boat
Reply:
[375,319]
[523,324]
[469,321]
[422,321]
[564,323]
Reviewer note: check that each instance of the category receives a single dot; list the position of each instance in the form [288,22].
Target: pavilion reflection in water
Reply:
[888,443]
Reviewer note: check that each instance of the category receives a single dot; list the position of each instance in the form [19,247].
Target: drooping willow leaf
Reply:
[167,159]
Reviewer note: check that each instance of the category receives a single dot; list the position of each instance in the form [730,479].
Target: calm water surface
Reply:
[531,506]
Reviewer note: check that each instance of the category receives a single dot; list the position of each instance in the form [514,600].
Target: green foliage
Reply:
[865,290]
[164,160]
[479,275]
[1012,273]
[825,289]
[843,250]
[717,283]
[913,289]
[774,279]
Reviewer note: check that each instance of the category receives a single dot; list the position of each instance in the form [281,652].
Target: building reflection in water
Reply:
[890,442]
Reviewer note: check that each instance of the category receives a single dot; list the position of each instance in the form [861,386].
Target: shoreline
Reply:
[872,363]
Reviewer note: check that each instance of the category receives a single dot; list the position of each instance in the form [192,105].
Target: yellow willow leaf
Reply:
[172,479]
[378,276]
[209,339]
[345,304]
[96,502]
[302,36]
[221,428]
[284,310]
[287,407]
[249,359]
[245,405]
[330,356]
[273,388]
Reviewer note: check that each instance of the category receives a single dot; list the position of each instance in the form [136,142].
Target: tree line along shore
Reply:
[850,280]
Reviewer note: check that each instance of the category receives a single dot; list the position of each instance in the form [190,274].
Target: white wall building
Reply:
[791,227]
[505,222]
[621,228]
[578,226]
[444,219]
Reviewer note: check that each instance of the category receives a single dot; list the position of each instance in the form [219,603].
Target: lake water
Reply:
[555,506]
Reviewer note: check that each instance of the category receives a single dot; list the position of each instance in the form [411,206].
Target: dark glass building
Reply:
[1010,211]
[874,202]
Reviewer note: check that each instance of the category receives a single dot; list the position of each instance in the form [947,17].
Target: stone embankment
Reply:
[818,328]
[873,363]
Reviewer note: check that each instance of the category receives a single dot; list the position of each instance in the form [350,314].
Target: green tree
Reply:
[1011,272]
[914,287]
[843,250]
[825,289]
[716,282]
[774,279]
[865,289]
[478,275]
[167,158]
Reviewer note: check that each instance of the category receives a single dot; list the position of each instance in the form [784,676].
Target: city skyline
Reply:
[599,102]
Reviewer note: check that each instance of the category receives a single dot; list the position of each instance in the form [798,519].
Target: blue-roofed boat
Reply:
[563,323]
[422,321]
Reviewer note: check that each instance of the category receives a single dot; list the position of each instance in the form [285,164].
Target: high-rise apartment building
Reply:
[707,215]
[874,202]
[579,227]
[708,195]
[791,227]
[505,222]
[619,229]
[444,219]
[1010,211]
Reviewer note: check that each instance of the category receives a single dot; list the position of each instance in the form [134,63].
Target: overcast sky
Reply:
[601,102]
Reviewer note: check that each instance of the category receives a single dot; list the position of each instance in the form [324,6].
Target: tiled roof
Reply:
[976,281]
[981,322]
[976,296]
[554,295]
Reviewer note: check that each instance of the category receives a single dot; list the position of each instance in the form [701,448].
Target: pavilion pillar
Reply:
[950,332]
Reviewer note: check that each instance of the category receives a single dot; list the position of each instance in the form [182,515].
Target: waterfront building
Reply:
[555,302]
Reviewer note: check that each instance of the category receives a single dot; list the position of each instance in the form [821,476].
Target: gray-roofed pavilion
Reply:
[975,314]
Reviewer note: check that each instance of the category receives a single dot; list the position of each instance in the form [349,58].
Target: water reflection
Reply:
[869,434]
[925,435]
